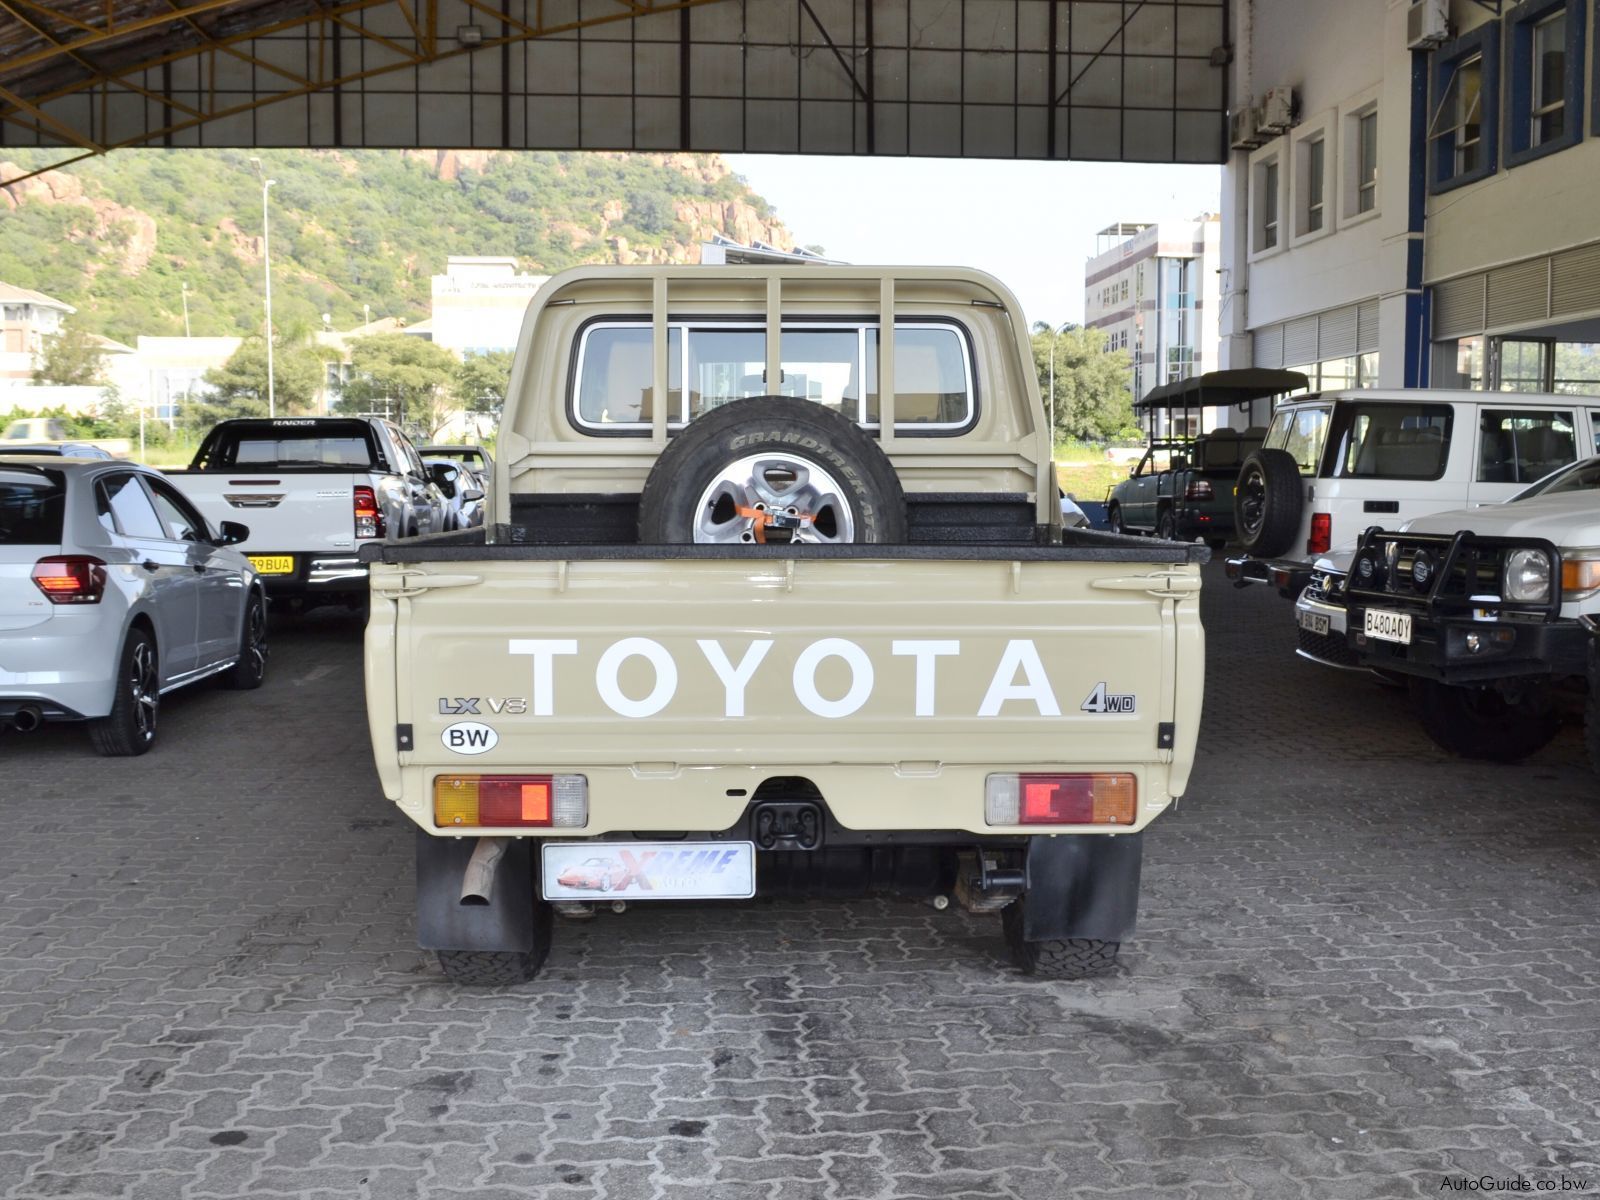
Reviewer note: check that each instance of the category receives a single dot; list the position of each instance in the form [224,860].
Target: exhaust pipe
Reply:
[477,883]
[27,718]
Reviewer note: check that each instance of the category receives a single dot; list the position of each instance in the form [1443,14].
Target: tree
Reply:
[1094,398]
[72,357]
[405,371]
[482,381]
[238,388]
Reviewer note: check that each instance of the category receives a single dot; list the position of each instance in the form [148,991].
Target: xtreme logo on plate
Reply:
[1019,677]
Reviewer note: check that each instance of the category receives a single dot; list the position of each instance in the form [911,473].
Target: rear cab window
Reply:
[835,365]
[33,506]
[1300,432]
[317,445]
[1390,441]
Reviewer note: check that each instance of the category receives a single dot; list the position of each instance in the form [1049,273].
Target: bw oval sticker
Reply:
[469,737]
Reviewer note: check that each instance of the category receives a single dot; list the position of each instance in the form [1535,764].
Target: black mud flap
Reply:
[444,923]
[1082,886]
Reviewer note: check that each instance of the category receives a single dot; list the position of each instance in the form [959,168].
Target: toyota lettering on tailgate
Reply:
[1019,677]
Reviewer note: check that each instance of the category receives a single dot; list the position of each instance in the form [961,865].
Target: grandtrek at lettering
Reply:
[1019,684]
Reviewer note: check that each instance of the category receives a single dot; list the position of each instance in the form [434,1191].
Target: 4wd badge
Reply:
[1102,701]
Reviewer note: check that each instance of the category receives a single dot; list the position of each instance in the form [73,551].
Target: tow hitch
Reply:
[786,825]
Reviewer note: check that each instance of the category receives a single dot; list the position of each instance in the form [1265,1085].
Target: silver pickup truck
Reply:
[775,598]
[313,491]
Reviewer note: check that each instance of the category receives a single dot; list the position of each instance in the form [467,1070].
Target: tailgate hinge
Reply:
[1164,585]
[412,583]
[403,738]
[1166,735]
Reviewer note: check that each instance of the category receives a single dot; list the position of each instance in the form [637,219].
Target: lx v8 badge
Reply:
[462,706]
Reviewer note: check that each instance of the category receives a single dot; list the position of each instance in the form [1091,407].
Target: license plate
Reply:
[272,564]
[1388,626]
[1313,622]
[648,870]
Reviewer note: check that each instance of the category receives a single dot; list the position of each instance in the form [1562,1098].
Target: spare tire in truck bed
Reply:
[772,470]
[1267,503]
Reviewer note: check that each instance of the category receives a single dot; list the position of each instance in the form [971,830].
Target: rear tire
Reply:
[130,727]
[250,672]
[501,968]
[1267,503]
[1056,958]
[1166,526]
[1479,723]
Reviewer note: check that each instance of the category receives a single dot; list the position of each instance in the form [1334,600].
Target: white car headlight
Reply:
[1528,576]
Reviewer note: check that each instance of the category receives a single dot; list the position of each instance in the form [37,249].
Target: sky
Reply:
[1032,224]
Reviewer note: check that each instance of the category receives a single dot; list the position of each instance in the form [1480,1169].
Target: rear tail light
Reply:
[1110,799]
[1198,489]
[70,578]
[539,801]
[369,517]
[1321,533]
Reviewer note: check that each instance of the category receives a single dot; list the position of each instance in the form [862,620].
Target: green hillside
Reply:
[118,236]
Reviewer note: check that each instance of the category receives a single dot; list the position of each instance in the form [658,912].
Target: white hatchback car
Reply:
[113,591]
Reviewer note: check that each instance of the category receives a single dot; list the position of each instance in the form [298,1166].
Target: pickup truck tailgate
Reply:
[895,685]
[304,511]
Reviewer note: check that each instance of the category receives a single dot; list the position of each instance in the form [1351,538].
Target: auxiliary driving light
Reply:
[1109,799]
[1421,570]
[509,800]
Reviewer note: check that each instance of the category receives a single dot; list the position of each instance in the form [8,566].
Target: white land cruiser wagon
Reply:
[1334,465]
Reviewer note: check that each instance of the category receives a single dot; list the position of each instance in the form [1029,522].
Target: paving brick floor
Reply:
[1362,969]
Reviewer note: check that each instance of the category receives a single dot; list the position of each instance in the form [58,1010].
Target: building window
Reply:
[1465,109]
[1367,161]
[1315,152]
[1266,205]
[1312,211]
[1545,90]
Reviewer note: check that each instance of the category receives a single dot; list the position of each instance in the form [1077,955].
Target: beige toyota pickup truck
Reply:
[775,599]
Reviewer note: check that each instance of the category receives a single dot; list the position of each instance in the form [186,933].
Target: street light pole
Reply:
[1054,333]
[266,258]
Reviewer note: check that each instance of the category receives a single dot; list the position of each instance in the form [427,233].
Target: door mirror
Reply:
[233,533]
[472,494]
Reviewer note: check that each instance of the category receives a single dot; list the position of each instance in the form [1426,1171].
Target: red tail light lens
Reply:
[1321,533]
[369,517]
[1198,489]
[70,578]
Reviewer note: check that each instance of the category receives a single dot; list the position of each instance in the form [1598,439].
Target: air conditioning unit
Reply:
[1277,111]
[1427,24]
[1242,131]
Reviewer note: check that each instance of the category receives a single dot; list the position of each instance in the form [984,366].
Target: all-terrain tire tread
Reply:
[489,968]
